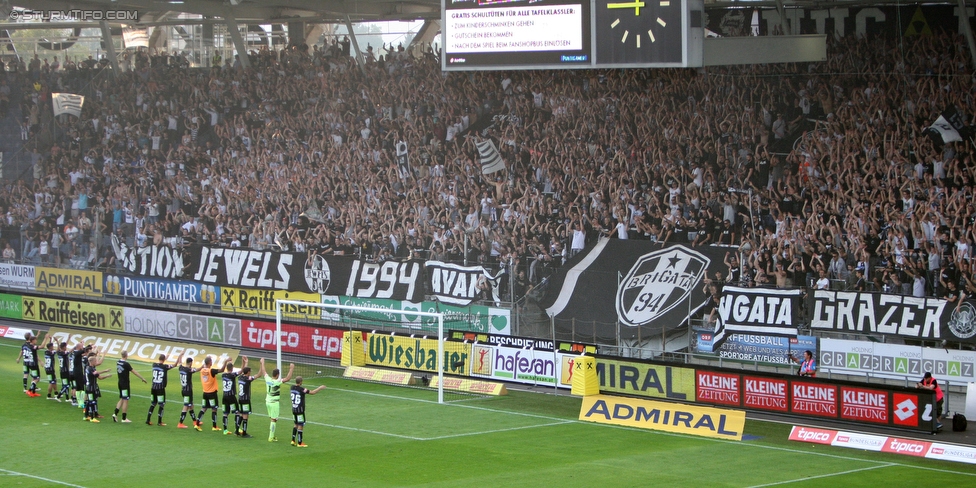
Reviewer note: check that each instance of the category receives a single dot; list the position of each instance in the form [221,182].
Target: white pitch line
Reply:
[467,434]
[17,473]
[824,475]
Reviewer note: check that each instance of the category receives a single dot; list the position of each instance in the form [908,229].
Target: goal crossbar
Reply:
[330,306]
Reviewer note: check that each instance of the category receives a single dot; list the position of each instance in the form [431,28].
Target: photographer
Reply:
[808,366]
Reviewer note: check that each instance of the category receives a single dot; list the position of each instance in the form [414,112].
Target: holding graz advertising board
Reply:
[896,361]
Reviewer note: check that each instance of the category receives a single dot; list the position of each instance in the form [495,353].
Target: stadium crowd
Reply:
[820,174]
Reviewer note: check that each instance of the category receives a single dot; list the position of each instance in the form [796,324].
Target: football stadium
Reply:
[487,242]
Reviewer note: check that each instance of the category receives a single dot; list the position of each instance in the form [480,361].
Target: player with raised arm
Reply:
[92,392]
[64,368]
[229,387]
[186,389]
[50,358]
[298,393]
[208,379]
[273,397]
[244,381]
[158,390]
[80,362]
[123,368]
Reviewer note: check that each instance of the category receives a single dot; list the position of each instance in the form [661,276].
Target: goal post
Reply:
[326,307]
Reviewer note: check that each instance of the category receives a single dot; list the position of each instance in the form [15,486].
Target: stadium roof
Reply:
[249,11]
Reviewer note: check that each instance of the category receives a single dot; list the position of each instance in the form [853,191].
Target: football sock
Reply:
[33,386]
[117,412]
[237,423]
[182,416]
[294,431]
[193,416]
[272,434]
[25,383]
[151,408]
[244,426]
[225,421]
[161,413]
[213,416]
[124,415]
[300,436]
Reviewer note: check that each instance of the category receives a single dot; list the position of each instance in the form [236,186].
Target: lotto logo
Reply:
[905,409]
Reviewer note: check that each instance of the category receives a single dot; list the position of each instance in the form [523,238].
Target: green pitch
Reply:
[373,435]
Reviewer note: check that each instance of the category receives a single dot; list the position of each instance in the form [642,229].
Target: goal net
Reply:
[404,348]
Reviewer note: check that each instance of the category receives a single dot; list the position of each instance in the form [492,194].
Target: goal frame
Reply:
[335,306]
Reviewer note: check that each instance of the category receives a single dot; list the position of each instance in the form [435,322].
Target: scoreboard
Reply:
[566,34]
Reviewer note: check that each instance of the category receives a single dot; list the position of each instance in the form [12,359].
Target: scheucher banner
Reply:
[669,417]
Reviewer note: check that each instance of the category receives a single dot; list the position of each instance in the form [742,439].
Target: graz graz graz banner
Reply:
[647,288]
[932,319]
[329,275]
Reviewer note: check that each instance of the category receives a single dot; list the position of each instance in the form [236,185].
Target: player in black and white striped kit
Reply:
[158,390]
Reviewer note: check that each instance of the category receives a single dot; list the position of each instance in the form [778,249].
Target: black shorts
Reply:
[51,378]
[124,393]
[187,398]
[244,407]
[34,372]
[210,400]
[299,418]
[158,396]
[230,404]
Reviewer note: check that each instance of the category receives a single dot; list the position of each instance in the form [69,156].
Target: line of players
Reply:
[79,374]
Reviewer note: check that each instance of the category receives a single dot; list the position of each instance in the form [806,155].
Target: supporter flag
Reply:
[313,213]
[491,160]
[67,103]
[402,156]
[949,127]
[135,37]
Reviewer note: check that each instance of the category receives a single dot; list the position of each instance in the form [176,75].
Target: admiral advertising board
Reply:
[664,416]
[68,281]
[659,290]
[896,361]
[929,319]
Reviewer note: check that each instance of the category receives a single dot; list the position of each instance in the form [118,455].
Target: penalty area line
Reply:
[807,478]
[468,434]
[48,480]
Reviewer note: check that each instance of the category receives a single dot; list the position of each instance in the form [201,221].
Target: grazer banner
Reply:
[764,311]
[460,285]
[642,286]
[897,361]
[930,319]
[296,272]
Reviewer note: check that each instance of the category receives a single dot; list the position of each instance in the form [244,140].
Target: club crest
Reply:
[657,283]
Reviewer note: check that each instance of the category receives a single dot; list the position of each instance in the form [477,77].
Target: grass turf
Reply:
[366,434]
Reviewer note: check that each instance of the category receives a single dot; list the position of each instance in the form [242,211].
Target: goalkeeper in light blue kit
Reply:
[274,383]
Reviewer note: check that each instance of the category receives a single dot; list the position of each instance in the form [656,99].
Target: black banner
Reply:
[460,285]
[884,21]
[642,286]
[757,311]
[932,319]
[327,275]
